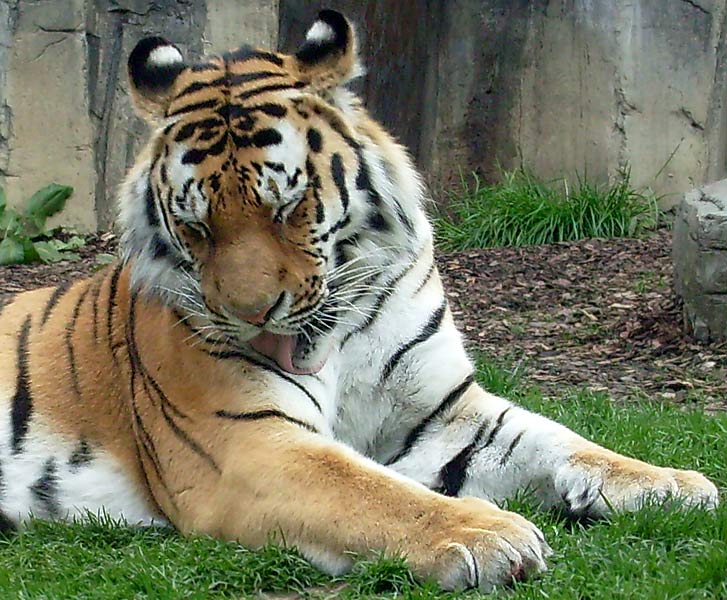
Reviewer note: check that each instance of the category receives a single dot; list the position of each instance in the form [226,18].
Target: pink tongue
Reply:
[280,348]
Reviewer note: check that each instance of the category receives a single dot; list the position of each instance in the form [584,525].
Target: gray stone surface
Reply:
[570,87]
[563,87]
[65,112]
[700,260]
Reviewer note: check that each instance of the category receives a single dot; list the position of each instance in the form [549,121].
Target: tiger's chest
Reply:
[383,373]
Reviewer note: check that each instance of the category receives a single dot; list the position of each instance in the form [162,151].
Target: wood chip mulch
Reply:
[600,314]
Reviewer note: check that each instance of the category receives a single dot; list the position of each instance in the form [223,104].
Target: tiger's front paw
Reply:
[596,481]
[480,546]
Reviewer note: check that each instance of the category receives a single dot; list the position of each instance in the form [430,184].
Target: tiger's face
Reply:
[237,212]
[243,213]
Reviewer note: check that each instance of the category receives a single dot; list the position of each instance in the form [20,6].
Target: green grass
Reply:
[522,210]
[657,553]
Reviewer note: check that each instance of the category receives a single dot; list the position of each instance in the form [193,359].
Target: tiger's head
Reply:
[266,198]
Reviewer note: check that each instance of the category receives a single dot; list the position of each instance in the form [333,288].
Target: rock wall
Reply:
[569,87]
[564,87]
[65,113]
[700,260]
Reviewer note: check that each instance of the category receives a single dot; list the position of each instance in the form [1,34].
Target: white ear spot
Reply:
[164,56]
[320,32]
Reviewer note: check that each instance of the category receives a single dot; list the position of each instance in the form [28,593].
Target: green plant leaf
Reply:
[48,253]
[105,258]
[3,201]
[73,243]
[11,223]
[11,251]
[30,254]
[45,202]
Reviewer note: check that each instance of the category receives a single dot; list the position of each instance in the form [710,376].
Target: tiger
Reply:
[273,356]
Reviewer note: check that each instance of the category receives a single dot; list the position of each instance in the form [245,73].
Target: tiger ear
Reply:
[329,55]
[154,65]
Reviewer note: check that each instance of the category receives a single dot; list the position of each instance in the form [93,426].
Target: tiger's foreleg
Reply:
[485,446]
[282,481]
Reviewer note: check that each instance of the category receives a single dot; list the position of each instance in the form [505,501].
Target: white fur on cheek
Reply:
[138,238]
[195,201]
[291,154]
[164,56]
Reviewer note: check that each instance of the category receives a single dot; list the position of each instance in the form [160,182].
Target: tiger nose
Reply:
[262,315]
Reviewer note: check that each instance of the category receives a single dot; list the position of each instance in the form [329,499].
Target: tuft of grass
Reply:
[656,553]
[523,210]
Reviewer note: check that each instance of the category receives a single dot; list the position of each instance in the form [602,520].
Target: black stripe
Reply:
[343,222]
[165,208]
[53,300]
[147,444]
[188,130]
[147,483]
[143,435]
[45,489]
[152,213]
[453,474]
[444,405]
[113,289]
[201,85]
[315,140]
[159,247]
[165,404]
[6,525]
[81,456]
[205,66]
[197,155]
[192,107]
[497,427]
[274,87]
[266,137]
[142,439]
[264,414]
[22,401]
[405,220]
[70,330]
[426,279]
[378,303]
[245,53]
[270,109]
[134,356]
[339,179]
[337,124]
[232,354]
[377,222]
[234,80]
[187,439]
[432,327]
[511,448]
[95,296]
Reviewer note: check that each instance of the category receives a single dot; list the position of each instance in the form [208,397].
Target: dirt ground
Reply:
[600,314]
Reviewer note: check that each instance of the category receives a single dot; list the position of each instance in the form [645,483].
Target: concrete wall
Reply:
[65,113]
[563,87]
